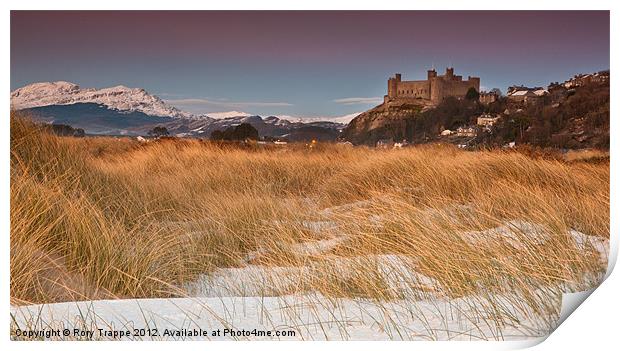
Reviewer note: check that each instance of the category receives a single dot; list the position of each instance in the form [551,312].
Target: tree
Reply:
[79,132]
[66,130]
[241,132]
[158,131]
[245,131]
[472,94]
[217,135]
[521,123]
[497,92]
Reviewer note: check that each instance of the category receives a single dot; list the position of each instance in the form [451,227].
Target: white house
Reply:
[466,132]
[487,120]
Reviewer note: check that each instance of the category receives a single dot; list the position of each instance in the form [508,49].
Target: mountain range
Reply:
[121,110]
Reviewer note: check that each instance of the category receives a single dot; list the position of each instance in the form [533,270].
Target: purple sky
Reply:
[305,63]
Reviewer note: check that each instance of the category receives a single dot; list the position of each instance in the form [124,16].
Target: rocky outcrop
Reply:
[386,121]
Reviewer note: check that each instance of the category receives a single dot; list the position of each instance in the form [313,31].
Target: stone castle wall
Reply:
[444,88]
[414,89]
[434,89]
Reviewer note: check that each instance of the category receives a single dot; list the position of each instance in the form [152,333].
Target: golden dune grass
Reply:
[106,217]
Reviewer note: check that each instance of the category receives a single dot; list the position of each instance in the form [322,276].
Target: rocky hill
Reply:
[380,122]
[574,115]
[410,122]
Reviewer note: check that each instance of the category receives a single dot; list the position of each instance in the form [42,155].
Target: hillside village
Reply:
[571,114]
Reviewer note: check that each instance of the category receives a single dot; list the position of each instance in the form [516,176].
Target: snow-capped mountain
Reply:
[100,119]
[282,119]
[338,119]
[229,114]
[124,99]
[119,98]
[132,111]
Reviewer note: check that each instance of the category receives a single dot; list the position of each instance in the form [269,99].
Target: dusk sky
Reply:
[300,63]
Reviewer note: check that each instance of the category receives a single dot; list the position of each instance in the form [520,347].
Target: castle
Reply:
[430,91]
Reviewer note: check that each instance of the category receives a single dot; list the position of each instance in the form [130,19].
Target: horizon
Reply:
[283,63]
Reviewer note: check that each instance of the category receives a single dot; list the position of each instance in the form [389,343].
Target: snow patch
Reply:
[583,241]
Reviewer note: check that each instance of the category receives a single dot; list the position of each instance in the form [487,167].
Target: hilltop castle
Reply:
[430,91]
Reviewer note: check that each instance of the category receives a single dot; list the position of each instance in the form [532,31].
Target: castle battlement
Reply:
[432,90]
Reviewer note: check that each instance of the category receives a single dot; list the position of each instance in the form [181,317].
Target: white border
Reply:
[594,323]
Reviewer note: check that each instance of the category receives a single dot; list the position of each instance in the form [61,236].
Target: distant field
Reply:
[106,218]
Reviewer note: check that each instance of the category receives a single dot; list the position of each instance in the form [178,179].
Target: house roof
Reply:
[520,93]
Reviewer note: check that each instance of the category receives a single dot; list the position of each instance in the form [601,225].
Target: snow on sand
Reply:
[311,317]
[255,299]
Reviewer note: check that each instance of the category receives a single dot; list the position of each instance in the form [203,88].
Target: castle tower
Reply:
[431,73]
[449,73]
[475,81]
[437,87]
[393,86]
